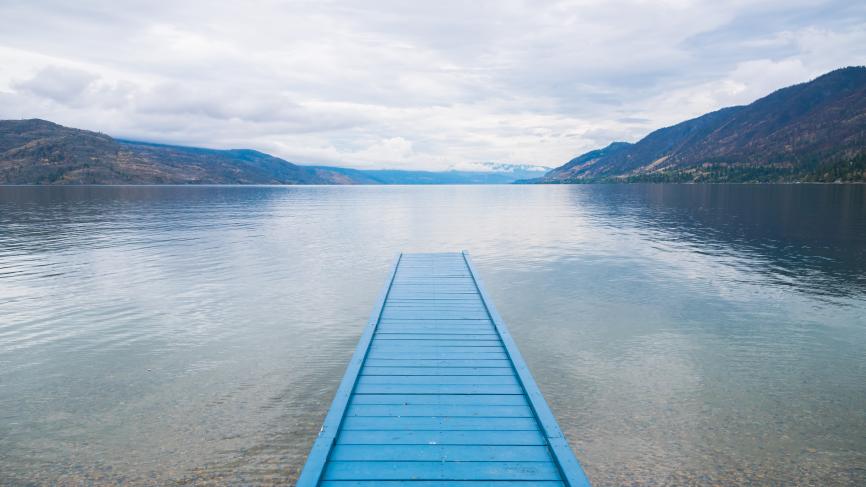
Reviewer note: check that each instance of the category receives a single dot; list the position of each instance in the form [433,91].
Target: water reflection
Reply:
[806,236]
[682,334]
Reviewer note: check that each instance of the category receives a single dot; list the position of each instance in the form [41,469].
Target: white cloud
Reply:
[385,83]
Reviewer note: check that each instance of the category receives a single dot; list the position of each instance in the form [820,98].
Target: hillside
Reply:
[40,152]
[813,131]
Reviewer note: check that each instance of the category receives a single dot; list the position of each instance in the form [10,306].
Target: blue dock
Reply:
[438,394]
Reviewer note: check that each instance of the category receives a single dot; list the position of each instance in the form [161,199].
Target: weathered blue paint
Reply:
[438,394]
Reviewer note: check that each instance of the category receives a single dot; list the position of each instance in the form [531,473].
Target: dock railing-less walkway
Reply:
[438,394]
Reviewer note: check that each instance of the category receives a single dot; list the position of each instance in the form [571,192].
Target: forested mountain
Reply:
[813,131]
[40,152]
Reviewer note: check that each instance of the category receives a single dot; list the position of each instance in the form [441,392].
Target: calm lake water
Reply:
[683,335]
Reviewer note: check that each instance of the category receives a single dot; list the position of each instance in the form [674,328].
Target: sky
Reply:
[409,84]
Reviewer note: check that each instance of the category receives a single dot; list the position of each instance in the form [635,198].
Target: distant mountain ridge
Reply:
[40,152]
[814,131]
[499,174]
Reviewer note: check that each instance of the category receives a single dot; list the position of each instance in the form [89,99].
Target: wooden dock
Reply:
[438,394]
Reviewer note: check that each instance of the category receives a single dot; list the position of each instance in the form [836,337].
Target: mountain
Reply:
[813,131]
[41,152]
[495,173]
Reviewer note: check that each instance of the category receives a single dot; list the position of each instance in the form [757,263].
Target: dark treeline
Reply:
[844,171]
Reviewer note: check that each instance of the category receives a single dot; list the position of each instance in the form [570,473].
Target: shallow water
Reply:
[683,335]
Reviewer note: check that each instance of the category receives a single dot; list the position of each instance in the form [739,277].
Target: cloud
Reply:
[63,85]
[426,85]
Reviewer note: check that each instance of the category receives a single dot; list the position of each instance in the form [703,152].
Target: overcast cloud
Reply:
[408,84]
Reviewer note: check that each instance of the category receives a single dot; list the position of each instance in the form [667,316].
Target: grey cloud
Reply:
[63,85]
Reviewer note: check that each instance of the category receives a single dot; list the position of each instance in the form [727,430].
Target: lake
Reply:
[682,334]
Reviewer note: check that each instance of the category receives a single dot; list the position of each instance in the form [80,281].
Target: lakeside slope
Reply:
[810,132]
[41,152]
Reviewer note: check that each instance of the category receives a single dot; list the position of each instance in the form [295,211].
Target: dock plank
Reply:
[437,355]
[439,389]
[475,363]
[441,453]
[437,423]
[447,410]
[404,343]
[421,399]
[439,483]
[441,438]
[468,371]
[439,336]
[339,470]
[484,330]
[438,380]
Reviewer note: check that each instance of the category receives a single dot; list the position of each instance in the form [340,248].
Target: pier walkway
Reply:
[438,394]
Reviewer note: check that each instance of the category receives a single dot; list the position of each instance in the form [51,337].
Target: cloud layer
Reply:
[409,84]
